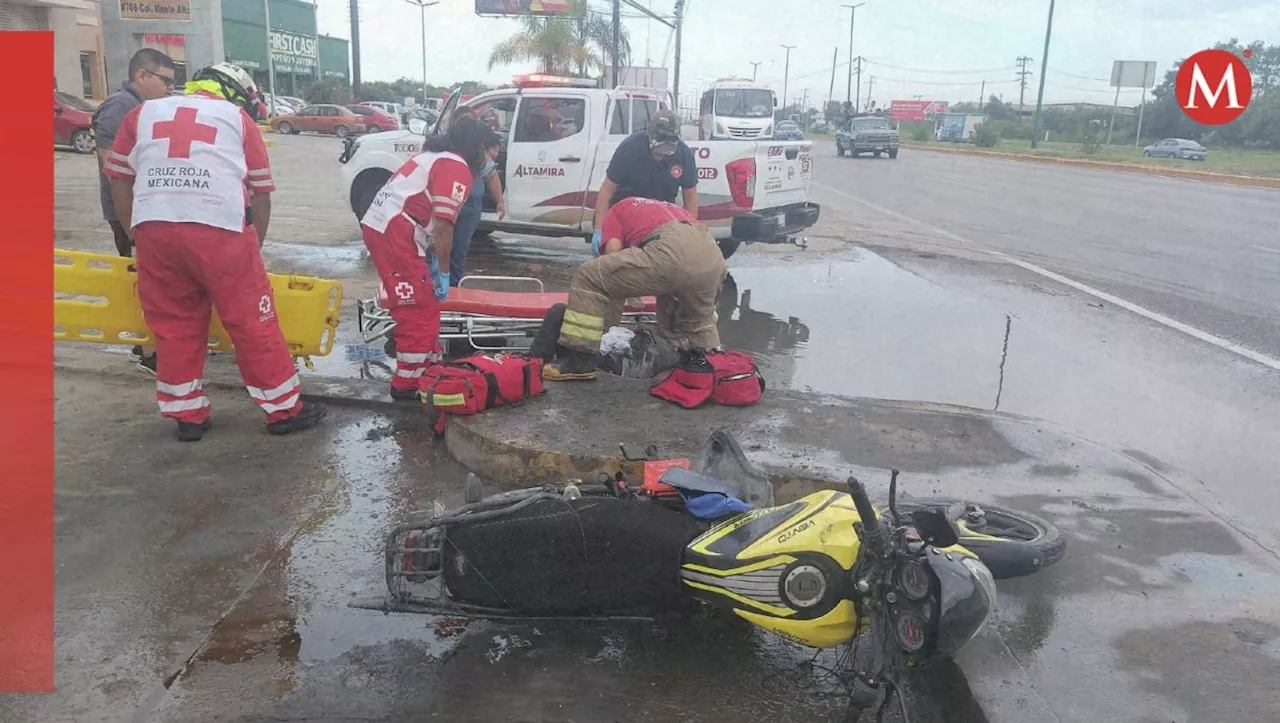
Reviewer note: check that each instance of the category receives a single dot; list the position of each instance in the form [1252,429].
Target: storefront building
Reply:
[78,52]
[300,55]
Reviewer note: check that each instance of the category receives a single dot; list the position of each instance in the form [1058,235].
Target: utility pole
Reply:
[831,90]
[1022,81]
[848,91]
[675,83]
[1044,70]
[754,67]
[354,6]
[858,97]
[982,97]
[271,65]
[871,84]
[617,32]
[786,76]
[423,5]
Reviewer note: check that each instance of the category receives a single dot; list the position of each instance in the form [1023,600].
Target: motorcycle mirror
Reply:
[934,528]
[893,494]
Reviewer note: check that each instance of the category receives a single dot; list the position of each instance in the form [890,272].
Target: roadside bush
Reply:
[329,90]
[1092,137]
[919,132]
[987,134]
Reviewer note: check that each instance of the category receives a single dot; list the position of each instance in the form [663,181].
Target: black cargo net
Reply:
[547,556]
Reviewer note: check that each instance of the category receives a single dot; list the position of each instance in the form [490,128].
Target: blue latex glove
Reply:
[595,242]
[439,281]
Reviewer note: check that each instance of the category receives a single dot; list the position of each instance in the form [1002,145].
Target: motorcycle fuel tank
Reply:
[785,568]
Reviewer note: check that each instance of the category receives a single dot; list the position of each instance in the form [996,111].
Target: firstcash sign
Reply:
[1213,87]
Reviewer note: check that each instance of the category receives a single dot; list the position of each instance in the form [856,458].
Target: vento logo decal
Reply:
[1213,87]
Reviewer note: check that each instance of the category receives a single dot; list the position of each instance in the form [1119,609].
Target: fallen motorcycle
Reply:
[916,577]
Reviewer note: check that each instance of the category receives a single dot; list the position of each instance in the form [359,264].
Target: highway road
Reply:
[1156,300]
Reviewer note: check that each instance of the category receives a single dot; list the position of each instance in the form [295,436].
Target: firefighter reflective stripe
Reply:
[288,403]
[582,326]
[448,400]
[179,390]
[183,405]
[269,394]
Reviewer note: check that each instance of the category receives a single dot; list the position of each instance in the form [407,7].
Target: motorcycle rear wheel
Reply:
[1011,543]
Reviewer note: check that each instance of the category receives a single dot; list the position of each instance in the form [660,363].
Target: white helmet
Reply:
[237,86]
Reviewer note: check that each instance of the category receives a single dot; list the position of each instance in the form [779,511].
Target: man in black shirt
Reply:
[150,78]
[653,163]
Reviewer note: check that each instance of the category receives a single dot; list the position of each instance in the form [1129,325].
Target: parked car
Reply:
[423,114]
[1176,148]
[867,134]
[324,118]
[787,131]
[394,109]
[559,137]
[72,118]
[376,120]
[297,103]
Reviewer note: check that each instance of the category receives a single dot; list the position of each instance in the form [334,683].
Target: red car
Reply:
[376,120]
[71,120]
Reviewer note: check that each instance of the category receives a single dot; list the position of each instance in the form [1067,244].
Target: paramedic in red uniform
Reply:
[408,230]
[649,248]
[192,182]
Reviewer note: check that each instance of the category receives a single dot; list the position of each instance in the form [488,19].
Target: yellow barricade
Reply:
[96,300]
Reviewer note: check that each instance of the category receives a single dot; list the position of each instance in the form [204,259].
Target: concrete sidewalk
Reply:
[1170,575]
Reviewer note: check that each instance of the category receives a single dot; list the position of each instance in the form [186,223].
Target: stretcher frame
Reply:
[477,322]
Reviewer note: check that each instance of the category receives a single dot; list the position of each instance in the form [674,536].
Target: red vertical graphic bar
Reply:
[26,364]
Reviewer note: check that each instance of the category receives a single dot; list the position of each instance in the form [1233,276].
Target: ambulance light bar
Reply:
[535,80]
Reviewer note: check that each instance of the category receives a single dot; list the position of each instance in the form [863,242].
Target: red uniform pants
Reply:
[184,271]
[412,302]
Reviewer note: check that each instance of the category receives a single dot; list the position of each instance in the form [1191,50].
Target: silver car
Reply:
[1176,148]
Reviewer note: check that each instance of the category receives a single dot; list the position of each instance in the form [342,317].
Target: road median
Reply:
[1209,176]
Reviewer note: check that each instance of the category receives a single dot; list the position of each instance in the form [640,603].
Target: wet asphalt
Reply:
[224,593]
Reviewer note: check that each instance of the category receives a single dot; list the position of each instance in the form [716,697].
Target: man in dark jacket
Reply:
[150,78]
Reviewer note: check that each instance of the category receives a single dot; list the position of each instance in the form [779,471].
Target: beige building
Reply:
[78,62]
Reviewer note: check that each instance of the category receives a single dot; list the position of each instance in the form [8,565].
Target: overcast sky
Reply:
[934,49]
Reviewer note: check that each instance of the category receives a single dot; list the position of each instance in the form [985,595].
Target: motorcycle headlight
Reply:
[967,596]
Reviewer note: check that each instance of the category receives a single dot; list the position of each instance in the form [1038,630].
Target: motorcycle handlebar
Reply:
[870,523]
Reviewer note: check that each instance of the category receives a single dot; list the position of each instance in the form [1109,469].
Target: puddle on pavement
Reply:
[314,260]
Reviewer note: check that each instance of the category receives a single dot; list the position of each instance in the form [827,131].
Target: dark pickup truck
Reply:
[867,134]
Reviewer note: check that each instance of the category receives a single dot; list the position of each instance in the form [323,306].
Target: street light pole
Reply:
[786,76]
[422,5]
[848,91]
[271,65]
[754,67]
[1044,70]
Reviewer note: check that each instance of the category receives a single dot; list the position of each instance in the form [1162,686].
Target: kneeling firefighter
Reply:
[645,247]
[198,216]
[408,230]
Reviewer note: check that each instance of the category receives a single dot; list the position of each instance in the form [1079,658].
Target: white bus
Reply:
[736,109]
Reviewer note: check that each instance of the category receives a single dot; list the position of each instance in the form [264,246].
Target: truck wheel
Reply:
[839,150]
[877,153]
[728,247]
[893,153]
[366,188]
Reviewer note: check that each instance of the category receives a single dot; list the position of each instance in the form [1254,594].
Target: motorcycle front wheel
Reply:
[1011,543]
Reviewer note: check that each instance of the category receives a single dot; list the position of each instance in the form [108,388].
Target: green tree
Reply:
[998,110]
[576,42]
[328,90]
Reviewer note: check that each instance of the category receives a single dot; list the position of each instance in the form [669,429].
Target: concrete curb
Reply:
[1235,180]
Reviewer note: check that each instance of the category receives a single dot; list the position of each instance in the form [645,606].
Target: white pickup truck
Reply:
[558,140]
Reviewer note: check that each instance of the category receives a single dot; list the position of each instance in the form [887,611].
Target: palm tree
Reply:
[578,41]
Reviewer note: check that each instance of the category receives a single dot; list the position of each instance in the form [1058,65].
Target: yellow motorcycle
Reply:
[823,571]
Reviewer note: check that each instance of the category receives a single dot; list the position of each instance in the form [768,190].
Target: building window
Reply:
[86,74]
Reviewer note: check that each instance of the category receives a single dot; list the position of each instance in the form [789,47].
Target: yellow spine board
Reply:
[96,301]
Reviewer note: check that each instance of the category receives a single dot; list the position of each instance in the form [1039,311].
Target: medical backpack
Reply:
[472,384]
[728,377]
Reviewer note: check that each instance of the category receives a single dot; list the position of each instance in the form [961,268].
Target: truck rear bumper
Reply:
[775,225]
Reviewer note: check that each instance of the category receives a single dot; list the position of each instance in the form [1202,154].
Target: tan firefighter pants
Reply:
[680,264]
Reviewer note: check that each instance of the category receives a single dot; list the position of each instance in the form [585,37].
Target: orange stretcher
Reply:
[486,319]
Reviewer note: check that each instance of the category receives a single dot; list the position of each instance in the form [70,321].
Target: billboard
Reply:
[916,110]
[293,52]
[1133,74]
[522,7]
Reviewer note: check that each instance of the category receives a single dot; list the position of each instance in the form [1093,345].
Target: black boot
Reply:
[404,395]
[193,432]
[572,365]
[309,417]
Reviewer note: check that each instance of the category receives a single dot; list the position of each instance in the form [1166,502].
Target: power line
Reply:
[934,82]
[1080,77]
[944,72]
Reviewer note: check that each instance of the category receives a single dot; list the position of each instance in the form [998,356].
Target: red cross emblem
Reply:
[182,131]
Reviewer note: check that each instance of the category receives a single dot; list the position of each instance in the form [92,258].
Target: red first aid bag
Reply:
[729,377]
[475,383]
